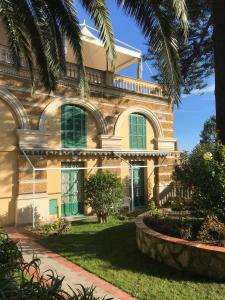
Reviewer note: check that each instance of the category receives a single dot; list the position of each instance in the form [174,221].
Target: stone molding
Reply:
[167,144]
[144,111]
[29,138]
[110,142]
[136,97]
[17,108]
[58,102]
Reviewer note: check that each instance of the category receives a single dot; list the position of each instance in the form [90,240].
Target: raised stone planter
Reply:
[192,257]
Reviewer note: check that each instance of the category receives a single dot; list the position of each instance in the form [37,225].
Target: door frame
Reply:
[138,163]
[80,204]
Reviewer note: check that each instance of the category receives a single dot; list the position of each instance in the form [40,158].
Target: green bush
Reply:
[177,204]
[104,192]
[56,228]
[153,209]
[212,230]
[204,172]
[16,282]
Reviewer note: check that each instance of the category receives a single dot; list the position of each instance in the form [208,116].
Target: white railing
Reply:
[137,85]
[94,76]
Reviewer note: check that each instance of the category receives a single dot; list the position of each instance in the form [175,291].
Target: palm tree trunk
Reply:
[218,7]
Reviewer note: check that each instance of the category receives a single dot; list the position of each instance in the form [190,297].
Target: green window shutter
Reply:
[144,133]
[137,131]
[73,126]
[53,206]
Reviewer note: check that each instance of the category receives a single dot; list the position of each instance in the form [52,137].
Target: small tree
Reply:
[104,192]
[208,134]
[204,172]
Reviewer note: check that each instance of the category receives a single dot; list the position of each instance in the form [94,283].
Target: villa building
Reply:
[50,142]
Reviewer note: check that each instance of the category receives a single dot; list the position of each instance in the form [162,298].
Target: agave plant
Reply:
[23,280]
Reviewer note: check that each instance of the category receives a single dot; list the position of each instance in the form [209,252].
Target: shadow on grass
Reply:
[115,245]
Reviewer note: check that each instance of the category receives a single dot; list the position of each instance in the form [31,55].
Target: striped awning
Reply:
[98,152]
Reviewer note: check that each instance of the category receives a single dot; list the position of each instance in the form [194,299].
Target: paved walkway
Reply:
[73,273]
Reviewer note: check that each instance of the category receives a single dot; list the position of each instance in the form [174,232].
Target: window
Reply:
[73,126]
[137,127]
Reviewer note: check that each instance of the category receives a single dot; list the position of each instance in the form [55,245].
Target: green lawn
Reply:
[110,251]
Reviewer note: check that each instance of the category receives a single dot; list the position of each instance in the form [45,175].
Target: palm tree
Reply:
[36,29]
[160,29]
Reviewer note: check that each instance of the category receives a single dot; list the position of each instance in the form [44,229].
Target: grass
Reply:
[110,251]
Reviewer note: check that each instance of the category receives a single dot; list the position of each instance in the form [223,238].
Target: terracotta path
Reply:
[73,273]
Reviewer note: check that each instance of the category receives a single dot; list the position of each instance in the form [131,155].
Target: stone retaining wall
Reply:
[193,257]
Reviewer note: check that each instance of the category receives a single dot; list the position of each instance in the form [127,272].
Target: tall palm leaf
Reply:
[37,28]
[159,29]
[100,15]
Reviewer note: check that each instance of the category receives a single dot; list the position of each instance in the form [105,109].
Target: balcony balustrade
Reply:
[94,76]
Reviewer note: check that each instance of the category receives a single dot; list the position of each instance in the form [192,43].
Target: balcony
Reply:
[95,77]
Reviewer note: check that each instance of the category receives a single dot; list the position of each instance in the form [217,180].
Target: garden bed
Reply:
[181,254]
[186,227]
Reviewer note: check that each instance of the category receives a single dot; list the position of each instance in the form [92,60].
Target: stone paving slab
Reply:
[73,273]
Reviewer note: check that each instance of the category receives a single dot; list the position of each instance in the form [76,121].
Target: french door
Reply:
[72,190]
[138,184]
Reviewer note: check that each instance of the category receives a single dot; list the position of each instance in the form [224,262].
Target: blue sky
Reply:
[195,108]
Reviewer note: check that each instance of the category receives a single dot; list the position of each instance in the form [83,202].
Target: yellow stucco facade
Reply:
[31,129]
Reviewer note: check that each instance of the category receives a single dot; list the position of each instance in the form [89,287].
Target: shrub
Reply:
[153,209]
[10,256]
[205,175]
[104,193]
[16,282]
[56,228]
[186,232]
[177,204]
[212,230]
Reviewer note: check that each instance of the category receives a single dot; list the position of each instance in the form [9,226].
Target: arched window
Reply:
[137,131]
[73,126]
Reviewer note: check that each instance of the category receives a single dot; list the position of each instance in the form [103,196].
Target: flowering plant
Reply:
[208,156]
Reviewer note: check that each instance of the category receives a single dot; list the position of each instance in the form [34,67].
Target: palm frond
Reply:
[36,30]
[66,18]
[18,42]
[159,29]
[180,9]
[100,15]
[30,25]
[165,47]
